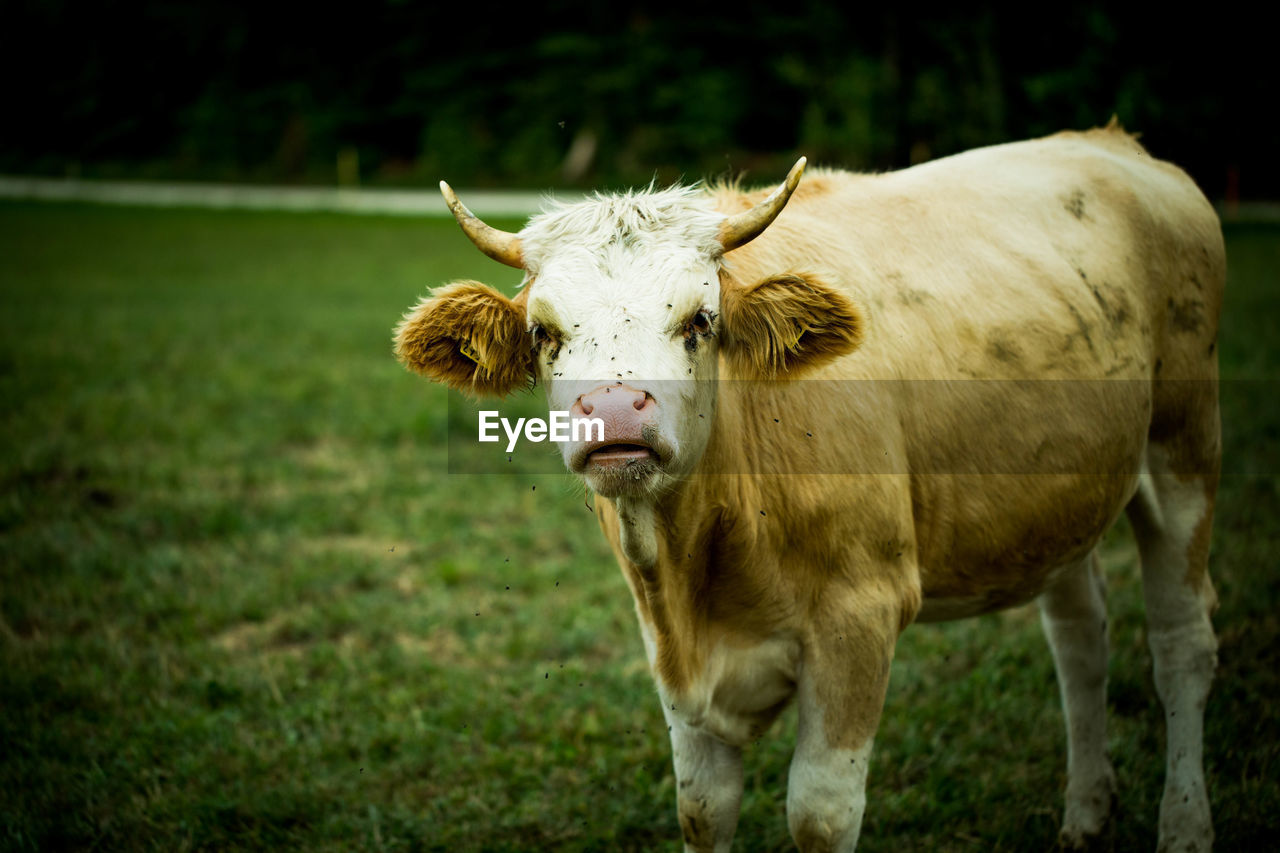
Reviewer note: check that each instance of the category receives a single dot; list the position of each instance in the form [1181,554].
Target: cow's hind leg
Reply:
[1073,613]
[1172,515]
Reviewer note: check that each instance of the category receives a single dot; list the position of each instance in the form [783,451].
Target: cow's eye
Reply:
[541,336]
[699,324]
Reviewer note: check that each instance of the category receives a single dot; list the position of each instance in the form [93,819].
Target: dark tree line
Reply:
[397,92]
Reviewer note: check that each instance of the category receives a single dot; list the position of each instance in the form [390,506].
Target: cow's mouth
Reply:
[620,455]
[630,456]
[614,468]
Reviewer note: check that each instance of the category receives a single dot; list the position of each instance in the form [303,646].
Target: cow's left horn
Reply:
[502,246]
[741,229]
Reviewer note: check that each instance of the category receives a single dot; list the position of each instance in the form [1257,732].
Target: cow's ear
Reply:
[786,324]
[470,337]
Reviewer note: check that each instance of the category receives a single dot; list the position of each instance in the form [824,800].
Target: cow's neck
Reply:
[638,531]
[667,541]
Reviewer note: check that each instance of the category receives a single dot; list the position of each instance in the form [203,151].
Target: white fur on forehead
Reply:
[645,219]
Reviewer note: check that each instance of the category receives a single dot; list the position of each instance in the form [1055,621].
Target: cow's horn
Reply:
[502,246]
[741,229]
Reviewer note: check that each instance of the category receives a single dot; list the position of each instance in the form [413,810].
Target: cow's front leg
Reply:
[840,695]
[708,787]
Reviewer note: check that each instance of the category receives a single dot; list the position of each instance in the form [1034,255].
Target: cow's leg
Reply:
[839,697]
[1073,613]
[708,787]
[1172,516]
[827,794]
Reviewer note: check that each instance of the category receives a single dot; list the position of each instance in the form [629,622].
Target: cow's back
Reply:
[1054,258]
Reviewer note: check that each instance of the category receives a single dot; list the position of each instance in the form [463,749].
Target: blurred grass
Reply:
[242,605]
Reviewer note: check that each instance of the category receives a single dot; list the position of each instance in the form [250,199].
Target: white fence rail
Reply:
[227,196]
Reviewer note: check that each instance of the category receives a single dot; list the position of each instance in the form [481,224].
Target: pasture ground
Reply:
[242,605]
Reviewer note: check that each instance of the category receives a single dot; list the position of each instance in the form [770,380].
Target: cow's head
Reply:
[627,310]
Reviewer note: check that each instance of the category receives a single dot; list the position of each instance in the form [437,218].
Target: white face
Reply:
[626,331]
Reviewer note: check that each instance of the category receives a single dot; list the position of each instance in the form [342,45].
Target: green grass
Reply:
[243,605]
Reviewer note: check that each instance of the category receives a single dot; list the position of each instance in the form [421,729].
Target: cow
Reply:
[863,401]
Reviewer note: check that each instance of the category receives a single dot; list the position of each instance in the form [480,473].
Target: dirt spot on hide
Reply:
[1001,347]
[1114,304]
[905,294]
[1186,317]
[1074,204]
[1085,331]
[911,297]
[695,825]
[891,549]
[1116,309]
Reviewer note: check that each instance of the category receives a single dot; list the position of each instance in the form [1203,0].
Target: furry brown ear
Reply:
[470,337]
[786,324]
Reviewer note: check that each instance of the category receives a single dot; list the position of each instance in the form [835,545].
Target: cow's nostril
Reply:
[610,401]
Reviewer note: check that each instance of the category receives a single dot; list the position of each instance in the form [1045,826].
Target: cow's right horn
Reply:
[502,246]
[744,227]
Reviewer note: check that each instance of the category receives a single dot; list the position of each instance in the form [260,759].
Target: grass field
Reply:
[243,605]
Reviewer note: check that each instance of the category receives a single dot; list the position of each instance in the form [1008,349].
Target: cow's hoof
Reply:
[1185,823]
[1088,814]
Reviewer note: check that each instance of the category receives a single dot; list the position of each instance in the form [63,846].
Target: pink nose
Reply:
[625,411]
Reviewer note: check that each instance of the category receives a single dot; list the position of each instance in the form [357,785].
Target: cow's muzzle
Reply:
[631,440]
